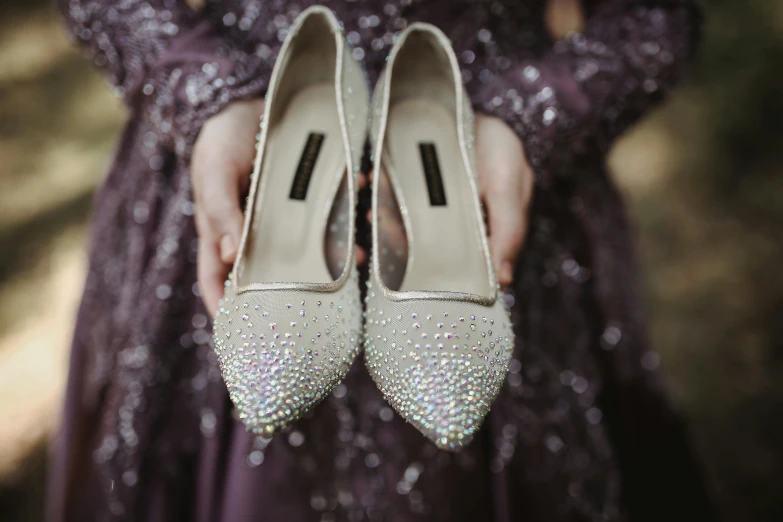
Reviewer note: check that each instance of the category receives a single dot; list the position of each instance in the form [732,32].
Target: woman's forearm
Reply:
[125,37]
[170,64]
[596,83]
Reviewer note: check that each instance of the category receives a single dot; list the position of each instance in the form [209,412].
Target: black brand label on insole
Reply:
[304,171]
[429,160]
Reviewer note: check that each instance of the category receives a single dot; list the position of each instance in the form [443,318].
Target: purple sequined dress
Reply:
[583,429]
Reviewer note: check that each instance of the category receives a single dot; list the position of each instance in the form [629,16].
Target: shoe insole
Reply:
[445,250]
[304,162]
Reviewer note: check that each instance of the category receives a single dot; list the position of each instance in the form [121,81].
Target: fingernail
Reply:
[228,248]
[506,273]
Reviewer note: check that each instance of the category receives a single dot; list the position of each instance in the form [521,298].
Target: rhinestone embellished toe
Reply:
[440,364]
[282,352]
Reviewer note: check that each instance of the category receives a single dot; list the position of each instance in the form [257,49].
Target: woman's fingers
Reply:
[220,173]
[507,229]
[212,273]
[506,182]
[219,220]
[219,200]
[217,223]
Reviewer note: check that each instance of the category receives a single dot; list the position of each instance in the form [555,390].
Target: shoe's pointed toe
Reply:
[281,353]
[445,398]
[439,364]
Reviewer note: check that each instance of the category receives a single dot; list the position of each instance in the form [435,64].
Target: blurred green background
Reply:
[702,176]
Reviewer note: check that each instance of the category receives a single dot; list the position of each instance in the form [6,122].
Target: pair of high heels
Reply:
[436,336]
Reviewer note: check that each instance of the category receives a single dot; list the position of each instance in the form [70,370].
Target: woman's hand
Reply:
[223,159]
[220,173]
[506,184]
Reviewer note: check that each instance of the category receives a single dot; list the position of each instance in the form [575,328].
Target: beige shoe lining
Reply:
[445,250]
[287,239]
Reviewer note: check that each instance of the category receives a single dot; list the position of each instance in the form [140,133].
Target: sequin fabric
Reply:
[582,429]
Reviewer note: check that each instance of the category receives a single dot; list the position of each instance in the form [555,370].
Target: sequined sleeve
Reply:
[596,83]
[170,64]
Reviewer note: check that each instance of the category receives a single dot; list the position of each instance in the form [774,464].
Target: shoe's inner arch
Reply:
[424,162]
[301,208]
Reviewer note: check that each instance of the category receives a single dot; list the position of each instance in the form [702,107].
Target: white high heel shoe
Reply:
[438,340]
[289,325]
